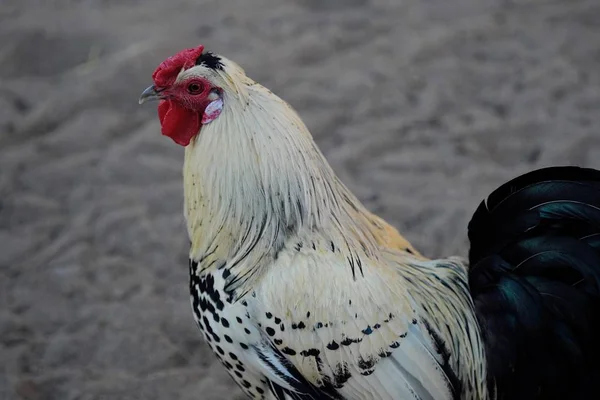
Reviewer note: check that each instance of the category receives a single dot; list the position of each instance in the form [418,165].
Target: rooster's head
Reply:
[190,86]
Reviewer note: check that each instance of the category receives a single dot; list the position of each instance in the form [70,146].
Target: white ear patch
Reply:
[212,111]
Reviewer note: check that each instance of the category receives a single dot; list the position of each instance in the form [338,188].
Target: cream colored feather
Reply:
[261,200]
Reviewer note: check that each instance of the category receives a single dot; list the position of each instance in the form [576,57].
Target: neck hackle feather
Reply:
[254,177]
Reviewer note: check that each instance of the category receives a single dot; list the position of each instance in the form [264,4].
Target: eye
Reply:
[194,88]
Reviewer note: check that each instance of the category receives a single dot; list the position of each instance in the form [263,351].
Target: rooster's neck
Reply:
[255,179]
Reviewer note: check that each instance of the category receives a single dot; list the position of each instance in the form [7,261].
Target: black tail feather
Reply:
[535,280]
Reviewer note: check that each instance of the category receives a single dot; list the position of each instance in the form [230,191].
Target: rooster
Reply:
[302,293]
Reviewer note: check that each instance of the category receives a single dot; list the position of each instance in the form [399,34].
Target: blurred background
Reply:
[422,107]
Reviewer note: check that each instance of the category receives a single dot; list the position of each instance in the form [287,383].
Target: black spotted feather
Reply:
[535,280]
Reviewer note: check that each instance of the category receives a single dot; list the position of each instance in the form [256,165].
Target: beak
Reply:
[149,94]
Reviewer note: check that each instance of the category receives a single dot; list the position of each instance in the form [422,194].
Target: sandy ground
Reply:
[422,107]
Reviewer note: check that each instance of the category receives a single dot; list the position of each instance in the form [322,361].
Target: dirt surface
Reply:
[422,107]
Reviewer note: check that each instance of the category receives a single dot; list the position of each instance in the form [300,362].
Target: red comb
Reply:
[167,71]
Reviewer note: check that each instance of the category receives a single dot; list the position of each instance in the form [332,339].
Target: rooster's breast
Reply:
[227,328]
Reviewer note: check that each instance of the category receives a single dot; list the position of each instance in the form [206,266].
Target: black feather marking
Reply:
[441,349]
[193,266]
[384,353]
[348,341]
[302,389]
[366,364]
[351,263]
[300,211]
[210,60]
[204,257]
[310,353]
[359,263]
[288,351]
[332,198]
[349,202]
[535,281]
[341,375]
[277,391]
[226,272]
[333,345]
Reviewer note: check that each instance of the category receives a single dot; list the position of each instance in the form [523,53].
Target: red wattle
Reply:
[177,122]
